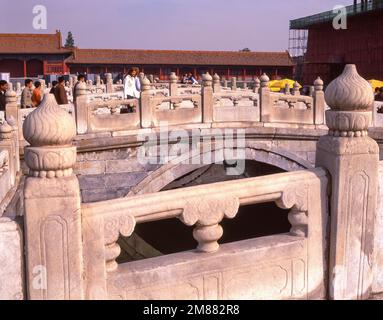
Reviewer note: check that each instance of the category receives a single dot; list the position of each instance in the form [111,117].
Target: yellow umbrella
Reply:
[375,84]
[277,85]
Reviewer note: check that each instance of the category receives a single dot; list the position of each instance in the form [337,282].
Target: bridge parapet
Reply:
[211,105]
[76,244]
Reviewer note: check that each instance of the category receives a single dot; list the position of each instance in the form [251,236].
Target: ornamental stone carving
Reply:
[50,131]
[206,214]
[5,131]
[349,92]
[318,84]
[207,80]
[264,80]
[351,99]
[10,96]
[173,77]
[145,84]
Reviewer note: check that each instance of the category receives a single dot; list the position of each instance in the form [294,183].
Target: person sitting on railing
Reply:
[60,92]
[37,94]
[192,79]
[80,79]
[26,95]
[185,79]
[130,89]
[3,90]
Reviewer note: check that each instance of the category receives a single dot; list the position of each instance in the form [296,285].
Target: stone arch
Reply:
[256,151]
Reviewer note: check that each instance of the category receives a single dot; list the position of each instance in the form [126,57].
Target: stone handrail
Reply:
[261,106]
[9,162]
[89,120]
[204,207]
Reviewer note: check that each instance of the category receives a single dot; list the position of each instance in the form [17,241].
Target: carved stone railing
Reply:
[9,162]
[209,103]
[204,207]
[108,116]
[234,106]
[5,177]
[183,109]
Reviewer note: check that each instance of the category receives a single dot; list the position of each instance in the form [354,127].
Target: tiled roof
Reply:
[31,43]
[174,57]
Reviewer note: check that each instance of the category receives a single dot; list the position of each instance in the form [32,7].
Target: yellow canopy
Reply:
[277,85]
[375,84]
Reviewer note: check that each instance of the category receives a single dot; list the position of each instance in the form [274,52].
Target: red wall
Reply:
[12,66]
[328,50]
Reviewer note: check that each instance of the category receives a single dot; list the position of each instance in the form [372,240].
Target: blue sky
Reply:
[167,24]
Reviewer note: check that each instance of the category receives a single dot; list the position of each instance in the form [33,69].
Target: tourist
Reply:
[80,79]
[192,79]
[26,95]
[185,79]
[60,92]
[130,89]
[3,90]
[139,77]
[37,94]
[54,84]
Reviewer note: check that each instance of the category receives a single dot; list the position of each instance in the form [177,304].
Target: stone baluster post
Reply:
[287,89]
[81,108]
[70,82]
[109,83]
[216,83]
[52,204]
[173,86]
[98,81]
[311,91]
[296,91]
[352,159]
[11,108]
[207,98]
[234,83]
[145,105]
[319,102]
[245,86]
[265,98]
[151,78]
[7,142]
[18,87]
[225,83]
[257,85]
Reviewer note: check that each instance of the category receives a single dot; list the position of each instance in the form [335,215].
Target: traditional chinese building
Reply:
[324,50]
[244,65]
[30,55]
